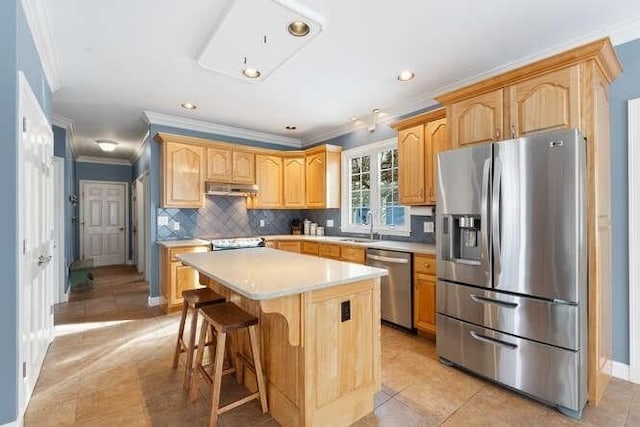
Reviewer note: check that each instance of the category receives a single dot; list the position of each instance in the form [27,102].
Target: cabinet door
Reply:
[436,140]
[548,102]
[294,179]
[182,278]
[476,120]
[269,181]
[219,165]
[315,182]
[424,311]
[411,174]
[183,176]
[289,246]
[244,167]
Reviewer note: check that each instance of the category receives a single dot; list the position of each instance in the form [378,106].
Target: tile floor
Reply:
[110,364]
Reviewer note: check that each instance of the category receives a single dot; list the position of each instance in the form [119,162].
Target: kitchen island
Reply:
[319,328]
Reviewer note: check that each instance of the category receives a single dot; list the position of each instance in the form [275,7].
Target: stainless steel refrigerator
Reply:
[512,265]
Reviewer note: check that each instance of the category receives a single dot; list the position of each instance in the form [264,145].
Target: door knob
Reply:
[121,228]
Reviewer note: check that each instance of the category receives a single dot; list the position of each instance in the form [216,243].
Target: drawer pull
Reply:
[494,341]
[485,300]
[427,265]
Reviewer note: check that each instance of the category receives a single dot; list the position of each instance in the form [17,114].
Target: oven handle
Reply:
[388,259]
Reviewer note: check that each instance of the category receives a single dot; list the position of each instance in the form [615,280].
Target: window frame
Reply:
[373,151]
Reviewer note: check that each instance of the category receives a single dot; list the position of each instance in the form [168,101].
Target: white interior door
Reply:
[104,222]
[59,261]
[36,239]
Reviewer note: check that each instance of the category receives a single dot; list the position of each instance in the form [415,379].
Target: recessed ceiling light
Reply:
[298,29]
[375,110]
[107,146]
[188,106]
[406,75]
[291,127]
[252,73]
[353,119]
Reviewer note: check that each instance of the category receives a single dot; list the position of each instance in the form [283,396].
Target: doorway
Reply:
[36,234]
[103,222]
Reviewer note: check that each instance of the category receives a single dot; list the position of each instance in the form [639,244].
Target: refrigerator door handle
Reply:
[484,300]
[493,341]
[484,215]
[495,216]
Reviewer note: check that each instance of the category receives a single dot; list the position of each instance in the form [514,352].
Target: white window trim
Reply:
[345,210]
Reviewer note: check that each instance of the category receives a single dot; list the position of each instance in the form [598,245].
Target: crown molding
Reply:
[103,160]
[38,21]
[137,152]
[67,124]
[626,32]
[218,129]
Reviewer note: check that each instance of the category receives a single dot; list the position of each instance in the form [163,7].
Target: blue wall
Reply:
[62,148]
[18,53]
[624,88]
[102,172]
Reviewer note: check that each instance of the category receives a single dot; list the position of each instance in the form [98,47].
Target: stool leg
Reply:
[217,378]
[190,350]
[255,349]
[183,318]
[195,377]
[234,360]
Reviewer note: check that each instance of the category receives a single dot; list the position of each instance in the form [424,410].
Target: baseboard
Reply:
[153,301]
[130,262]
[15,423]
[620,370]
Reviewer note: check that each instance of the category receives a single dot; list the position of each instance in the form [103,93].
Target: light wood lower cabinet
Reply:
[329,250]
[352,254]
[176,277]
[311,248]
[424,293]
[289,246]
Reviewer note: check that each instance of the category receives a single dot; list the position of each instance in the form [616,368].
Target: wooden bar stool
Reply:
[194,300]
[225,318]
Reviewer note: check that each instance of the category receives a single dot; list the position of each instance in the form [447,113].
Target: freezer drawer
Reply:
[545,372]
[552,323]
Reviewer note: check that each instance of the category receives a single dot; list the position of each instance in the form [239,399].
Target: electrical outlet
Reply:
[428,226]
[176,226]
[163,220]
[263,223]
[329,223]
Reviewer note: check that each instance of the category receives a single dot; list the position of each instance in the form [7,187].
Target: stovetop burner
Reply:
[239,243]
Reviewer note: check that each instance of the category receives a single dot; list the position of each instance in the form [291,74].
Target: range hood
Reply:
[220,189]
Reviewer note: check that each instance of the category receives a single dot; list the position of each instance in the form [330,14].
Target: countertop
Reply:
[264,273]
[183,243]
[393,245]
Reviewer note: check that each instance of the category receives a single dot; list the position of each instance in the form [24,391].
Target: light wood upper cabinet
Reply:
[548,102]
[435,140]
[244,167]
[269,180]
[322,177]
[219,165]
[183,173]
[294,182]
[476,120]
[411,169]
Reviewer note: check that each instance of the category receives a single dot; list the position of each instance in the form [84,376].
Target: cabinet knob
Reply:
[513,131]
[497,134]
[427,265]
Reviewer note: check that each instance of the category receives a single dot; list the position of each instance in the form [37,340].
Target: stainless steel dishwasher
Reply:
[396,289]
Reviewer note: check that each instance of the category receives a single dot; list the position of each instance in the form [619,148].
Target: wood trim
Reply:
[601,51]
[634,240]
[429,116]
[291,309]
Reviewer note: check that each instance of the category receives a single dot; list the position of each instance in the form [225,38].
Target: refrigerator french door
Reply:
[512,264]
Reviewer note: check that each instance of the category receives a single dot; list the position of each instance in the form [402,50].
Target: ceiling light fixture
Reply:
[298,29]
[188,106]
[406,75]
[291,127]
[353,119]
[252,73]
[375,111]
[107,146]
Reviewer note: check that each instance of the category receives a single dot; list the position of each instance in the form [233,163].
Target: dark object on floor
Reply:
[80,275]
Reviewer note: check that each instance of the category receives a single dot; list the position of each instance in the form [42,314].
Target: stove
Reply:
[239,243]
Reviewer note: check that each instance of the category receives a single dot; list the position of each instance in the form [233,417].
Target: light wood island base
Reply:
[320,370]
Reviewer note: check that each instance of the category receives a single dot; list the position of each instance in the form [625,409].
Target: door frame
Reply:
[142,187]
[82,183]
[634,239]
[60,230]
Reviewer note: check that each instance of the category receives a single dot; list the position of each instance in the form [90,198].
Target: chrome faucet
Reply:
[370,219]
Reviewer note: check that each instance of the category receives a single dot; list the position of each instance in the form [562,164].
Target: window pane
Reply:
[366,178]
[355,182]
[366,202]
[366,164]
[386,177]
[356,199]
[385,159]
[355,165]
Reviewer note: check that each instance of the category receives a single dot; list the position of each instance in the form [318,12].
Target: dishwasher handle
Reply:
[388,259]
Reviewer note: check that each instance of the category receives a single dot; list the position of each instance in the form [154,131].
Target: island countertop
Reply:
[264,273]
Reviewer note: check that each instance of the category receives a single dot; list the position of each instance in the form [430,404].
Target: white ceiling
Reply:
[119,58]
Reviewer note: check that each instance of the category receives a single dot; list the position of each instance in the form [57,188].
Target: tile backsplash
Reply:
[226,217]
